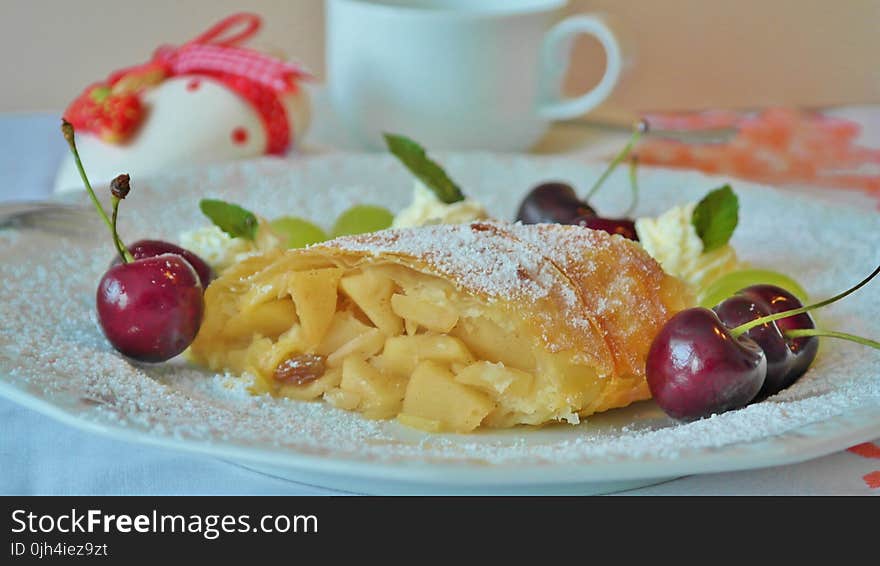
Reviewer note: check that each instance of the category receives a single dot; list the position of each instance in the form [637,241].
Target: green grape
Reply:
[728,284]
[298,231]
[361,219]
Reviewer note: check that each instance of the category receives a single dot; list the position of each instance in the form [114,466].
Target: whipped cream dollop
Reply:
[217,247]
[426,209]
[672,240]
[221,250]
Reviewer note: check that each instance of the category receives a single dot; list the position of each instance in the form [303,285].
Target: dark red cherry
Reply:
[552,202]
[150,309]
[696,368]
[621,226]
[151,248]
[740,309]
[805,348]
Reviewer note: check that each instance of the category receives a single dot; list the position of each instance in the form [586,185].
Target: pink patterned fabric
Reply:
[774,146]
[272,73]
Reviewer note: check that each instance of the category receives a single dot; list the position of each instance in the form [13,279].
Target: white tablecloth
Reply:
[41,456]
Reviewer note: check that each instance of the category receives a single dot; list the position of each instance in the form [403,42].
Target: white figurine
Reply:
[206,101]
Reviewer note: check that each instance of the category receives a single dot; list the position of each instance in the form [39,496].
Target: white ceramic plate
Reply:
[54,359]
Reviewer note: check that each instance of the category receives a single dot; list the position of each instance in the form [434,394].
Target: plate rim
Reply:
[794,446]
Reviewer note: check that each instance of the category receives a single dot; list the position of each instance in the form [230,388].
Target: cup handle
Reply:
[555,57]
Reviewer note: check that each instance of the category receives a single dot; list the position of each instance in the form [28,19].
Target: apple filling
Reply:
[389,341]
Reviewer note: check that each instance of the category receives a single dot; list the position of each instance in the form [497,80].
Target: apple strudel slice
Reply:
[448,327]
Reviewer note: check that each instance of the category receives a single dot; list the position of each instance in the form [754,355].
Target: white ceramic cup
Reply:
[458,74]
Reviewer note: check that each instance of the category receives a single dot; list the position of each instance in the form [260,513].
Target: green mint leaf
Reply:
[715,218]
[413,156]
[231,218]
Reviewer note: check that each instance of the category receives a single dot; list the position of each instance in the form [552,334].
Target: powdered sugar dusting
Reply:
[52,348]
[479,255]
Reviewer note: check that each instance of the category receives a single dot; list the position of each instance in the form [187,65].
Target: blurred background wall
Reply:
[688,54]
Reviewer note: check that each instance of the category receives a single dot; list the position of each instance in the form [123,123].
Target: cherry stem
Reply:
[804,332]
[639,128]
[123,251]
[69,134]
[633,184]
[739,330]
